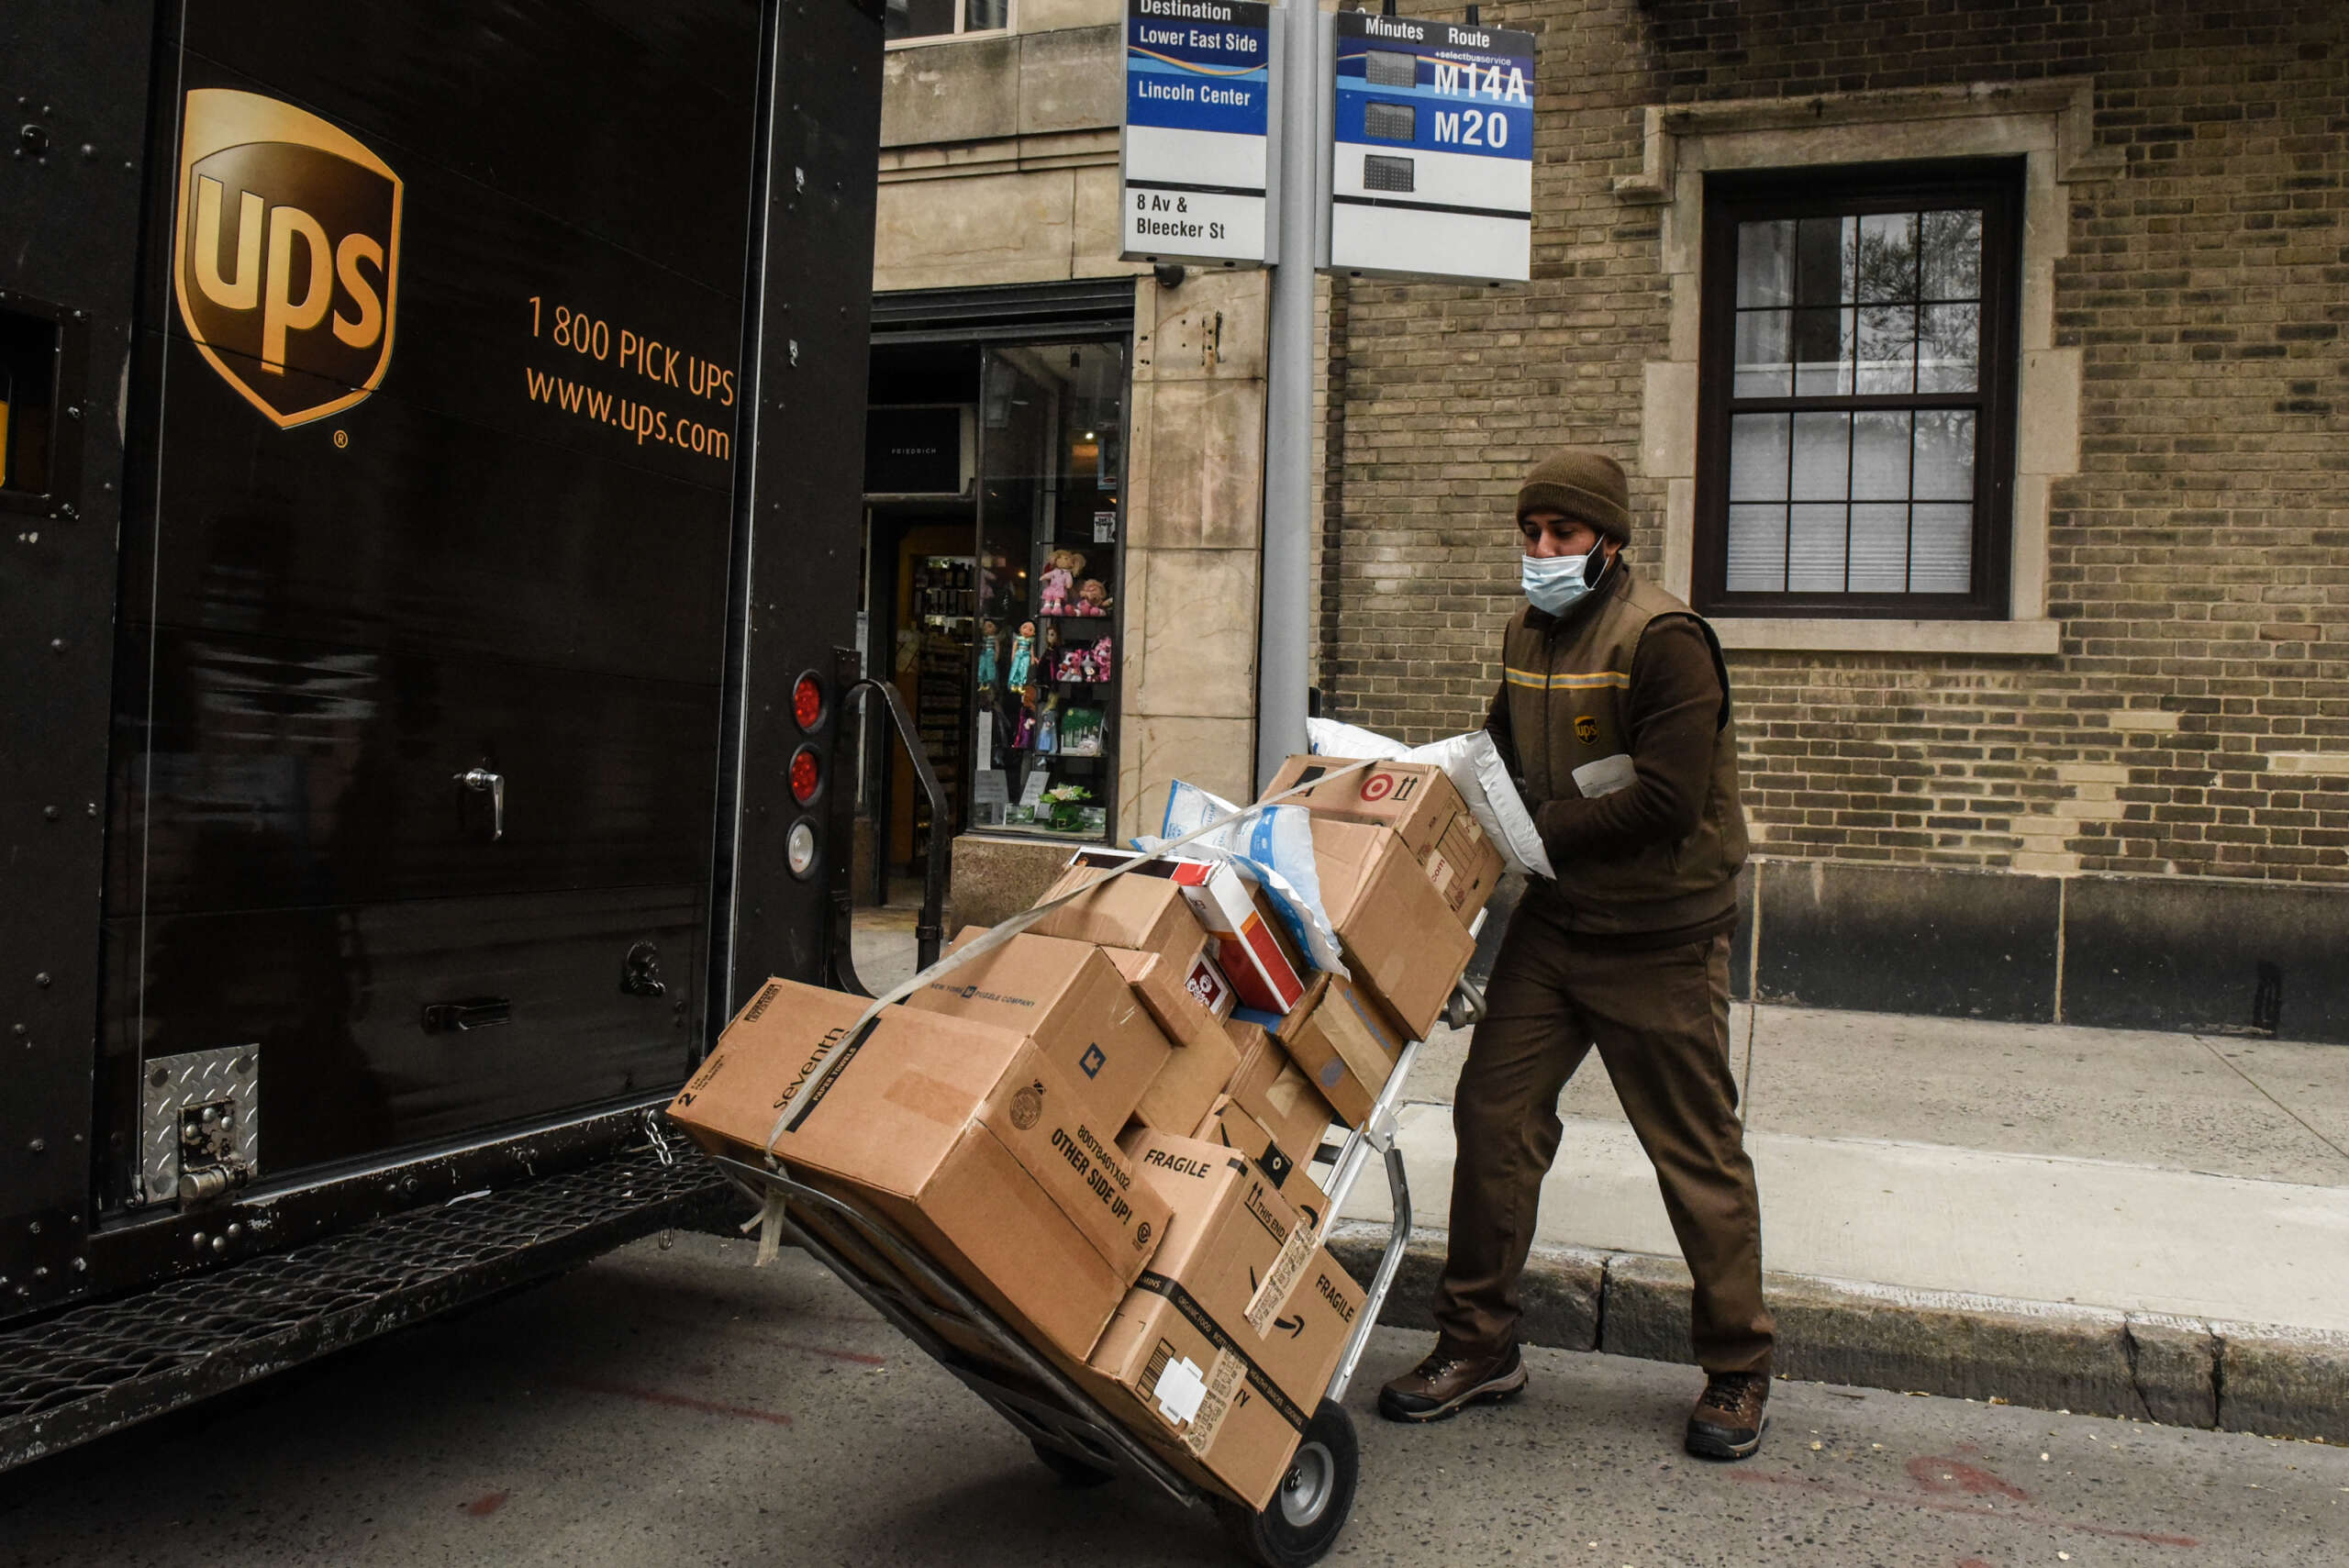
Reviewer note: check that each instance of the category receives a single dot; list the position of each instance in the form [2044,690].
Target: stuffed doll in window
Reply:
[987,675]
[1025,736]
[1023,655]
[1061,568]
[1092,599]
[1100,662]
[1048,724]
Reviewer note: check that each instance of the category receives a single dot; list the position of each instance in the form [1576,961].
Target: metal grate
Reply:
[1390,122]
[1382,174]
[87,1372]
[1390,68]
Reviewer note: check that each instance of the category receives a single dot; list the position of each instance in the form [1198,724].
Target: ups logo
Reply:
[286,253]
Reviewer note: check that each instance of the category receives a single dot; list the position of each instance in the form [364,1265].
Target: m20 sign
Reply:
[1432,161]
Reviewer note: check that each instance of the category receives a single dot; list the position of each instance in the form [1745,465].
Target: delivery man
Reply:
[1614,713]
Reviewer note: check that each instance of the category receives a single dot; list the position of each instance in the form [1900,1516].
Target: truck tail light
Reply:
[807,701]
[799,848]
[807,775]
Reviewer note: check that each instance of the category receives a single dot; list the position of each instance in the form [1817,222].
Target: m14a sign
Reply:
[1197,149]
[1431,169]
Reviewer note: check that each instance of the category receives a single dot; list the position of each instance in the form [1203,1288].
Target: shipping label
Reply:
[1273,1290]
[1219,1389]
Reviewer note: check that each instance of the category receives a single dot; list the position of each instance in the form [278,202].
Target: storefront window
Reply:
[1052,421]
[992,571]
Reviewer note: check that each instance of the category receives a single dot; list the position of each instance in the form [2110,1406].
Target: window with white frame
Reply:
[944,18]
[1857,376]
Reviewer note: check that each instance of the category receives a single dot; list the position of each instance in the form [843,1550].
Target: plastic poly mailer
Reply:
[1473,763]
[1274,850]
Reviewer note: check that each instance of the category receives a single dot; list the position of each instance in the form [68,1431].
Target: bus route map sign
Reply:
[1432,165]
[1196,153]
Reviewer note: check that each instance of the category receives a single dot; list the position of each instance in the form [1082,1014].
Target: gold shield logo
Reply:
[1586,728]
[285,254]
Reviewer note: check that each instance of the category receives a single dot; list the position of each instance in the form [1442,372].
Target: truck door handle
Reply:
[483,779]
[472,1012]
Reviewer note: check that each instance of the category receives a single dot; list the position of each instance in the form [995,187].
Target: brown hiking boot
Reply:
[1728,1418]
[1436,1388]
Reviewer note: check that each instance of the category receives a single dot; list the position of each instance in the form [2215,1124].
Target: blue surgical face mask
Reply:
[1555,584]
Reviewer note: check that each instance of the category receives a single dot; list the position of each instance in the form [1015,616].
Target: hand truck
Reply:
[1071,1434]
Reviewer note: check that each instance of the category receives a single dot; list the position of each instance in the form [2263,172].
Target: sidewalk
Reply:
[2142,1223]
[2106,1221]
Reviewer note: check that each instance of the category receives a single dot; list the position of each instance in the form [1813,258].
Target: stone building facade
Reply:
[2112,785]
[2123,797]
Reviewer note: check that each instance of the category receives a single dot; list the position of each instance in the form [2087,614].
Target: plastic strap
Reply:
[997,935]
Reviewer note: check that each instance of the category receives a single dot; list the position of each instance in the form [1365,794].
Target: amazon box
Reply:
[1071,1001]
[1400,938]
[1423,807]
[1269,1087]
[1243,1317]
[960,1132]
[1229,1126]
[1203,1059]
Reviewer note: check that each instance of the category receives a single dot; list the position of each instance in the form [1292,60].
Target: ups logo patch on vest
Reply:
[1586,728]
[286,253]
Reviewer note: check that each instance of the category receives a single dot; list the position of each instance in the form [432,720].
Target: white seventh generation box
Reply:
[1223,1351]
[960,1133]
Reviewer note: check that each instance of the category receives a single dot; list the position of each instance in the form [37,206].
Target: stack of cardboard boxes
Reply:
[1103,1127]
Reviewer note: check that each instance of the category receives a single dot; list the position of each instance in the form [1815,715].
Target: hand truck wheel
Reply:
[1072,1471]
[1313,1502]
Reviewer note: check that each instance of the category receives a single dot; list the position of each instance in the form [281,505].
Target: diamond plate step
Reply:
[67,1379]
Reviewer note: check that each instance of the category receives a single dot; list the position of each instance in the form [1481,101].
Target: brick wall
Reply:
[2197,719]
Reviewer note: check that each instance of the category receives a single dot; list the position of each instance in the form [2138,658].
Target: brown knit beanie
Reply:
[1581,483]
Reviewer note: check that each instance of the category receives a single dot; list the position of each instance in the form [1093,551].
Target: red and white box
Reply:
[1251,956]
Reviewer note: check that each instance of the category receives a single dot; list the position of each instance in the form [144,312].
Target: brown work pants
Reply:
[1660,1018]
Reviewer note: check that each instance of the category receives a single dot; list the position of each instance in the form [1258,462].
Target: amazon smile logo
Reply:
[286,254]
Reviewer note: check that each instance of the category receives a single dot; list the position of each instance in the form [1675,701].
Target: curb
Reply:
[2182,1372]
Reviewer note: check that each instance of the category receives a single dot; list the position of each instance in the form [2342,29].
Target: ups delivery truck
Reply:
[429,440]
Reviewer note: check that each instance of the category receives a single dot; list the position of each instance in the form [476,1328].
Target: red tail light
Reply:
[807,701]
[807,775]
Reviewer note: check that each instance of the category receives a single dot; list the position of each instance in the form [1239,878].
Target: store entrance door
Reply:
[929,598]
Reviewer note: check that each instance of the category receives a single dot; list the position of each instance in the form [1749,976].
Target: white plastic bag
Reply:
[1473,763]
[1273,848]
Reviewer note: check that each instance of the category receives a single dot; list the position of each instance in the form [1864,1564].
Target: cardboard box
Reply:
[1245,1314]
[1401,941]
[1229,1127]
[1269,1087]
[1344,1043]
[1136,911]
[1262,960]
[959,1132]
[1071,1001]
[1423,807]
[1204,1058]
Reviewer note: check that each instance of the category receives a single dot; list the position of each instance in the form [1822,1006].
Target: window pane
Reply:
[1822,275]
[981,16]
[1952,242]
[1948,346]
[918,18]
[1815,549]
[1942,550]
[1886,349]
[1880,548]
[1944,456]
[1757,550]
[1822,457]
[1879,456]
[1757,457]
[1884,263]
[1822,354]
[1762,367]
[1766,264]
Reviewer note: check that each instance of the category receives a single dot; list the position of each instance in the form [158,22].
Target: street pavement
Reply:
[683,1408]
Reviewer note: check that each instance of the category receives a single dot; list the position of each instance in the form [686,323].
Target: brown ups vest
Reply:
[1569,700]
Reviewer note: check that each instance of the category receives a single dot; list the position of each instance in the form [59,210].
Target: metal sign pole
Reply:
[1281,663]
